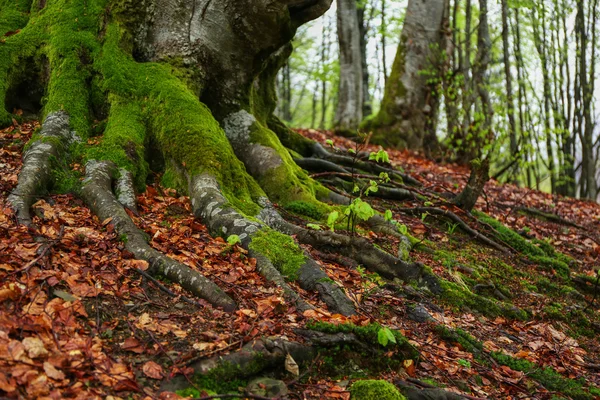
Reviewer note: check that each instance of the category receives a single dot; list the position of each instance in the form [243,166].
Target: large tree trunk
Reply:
[350,92]
[186,88]
[409,106]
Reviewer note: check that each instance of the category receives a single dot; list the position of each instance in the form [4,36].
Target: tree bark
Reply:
[350,92]
[409,106]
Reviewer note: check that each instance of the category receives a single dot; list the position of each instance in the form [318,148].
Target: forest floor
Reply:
[78,321]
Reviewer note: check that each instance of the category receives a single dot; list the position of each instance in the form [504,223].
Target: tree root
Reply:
[254,357]
[125,190]
[548,216]
[317,164]
[320,152]
[453,217]
[97,193]
[36,175]
[211,206]
[356,248]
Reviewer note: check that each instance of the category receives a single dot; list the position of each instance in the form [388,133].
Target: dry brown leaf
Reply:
[153,370]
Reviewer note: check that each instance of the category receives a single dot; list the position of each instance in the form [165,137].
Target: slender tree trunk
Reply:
[364,26]
[510,108]
[383,41]
[350,92]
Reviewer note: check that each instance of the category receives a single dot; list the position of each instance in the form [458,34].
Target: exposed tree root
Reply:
[347,161]
[356,248]
[36,175]
[254,357]
[319,165]
[210,205]
[453,217]
[383,192]
[97,193]
[548,216]
[125,191]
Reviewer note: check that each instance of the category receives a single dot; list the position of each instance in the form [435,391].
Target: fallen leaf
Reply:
[153,370]
[52,372]
[291,366]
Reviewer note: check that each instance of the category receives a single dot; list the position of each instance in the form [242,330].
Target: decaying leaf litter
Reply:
[78,319]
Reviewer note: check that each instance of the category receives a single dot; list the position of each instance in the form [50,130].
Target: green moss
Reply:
[281,250]
[182,127]
[304,208]
[462,337]
[548,377]
[457,296]
[368,333]
[374,389]
[124,140]
[511,237]
[14,15]
[287,182]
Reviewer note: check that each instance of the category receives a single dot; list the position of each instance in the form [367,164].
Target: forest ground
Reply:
[78,321]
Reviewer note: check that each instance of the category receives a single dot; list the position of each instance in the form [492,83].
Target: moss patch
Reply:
[458,296]
[281,250]
[374,389]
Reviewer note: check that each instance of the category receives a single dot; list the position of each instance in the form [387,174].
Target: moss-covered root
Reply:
[266,268]
[267,160]
[36,174]
[97,193]
[211,206]
[357,248]
[254,357]
[374,389]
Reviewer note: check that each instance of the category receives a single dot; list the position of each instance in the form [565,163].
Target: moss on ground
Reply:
[374,389]
[548,377]
[460,297]
[281,250]
[367,334]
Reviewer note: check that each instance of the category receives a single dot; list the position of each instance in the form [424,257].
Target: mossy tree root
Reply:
[36,175]
[253,358]
[97,193]
[456,219]
[357,248]
[209,204]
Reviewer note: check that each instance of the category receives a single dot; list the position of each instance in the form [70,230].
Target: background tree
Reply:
[409,107]
[350,92]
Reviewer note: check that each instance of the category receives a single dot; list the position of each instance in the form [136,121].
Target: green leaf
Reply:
[329,142]
[385,336]
[428,204]
[372,156]
[403,229]
[233,239]
[316,227]
[382,338]
[351,151]
[388,215]
[331,218]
